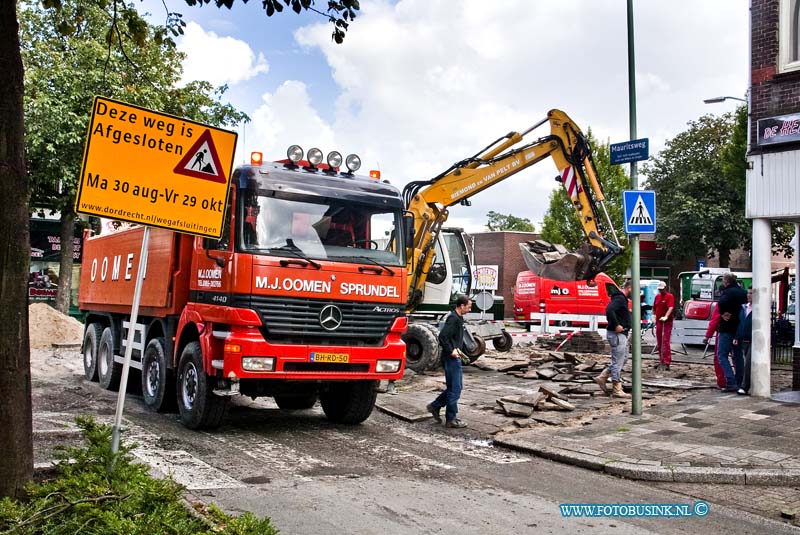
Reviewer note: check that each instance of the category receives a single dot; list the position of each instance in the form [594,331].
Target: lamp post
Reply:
[717,100]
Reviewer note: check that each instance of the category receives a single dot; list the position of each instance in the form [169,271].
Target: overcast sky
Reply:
[420,84]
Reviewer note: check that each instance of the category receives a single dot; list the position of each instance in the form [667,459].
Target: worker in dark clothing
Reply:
[731,298]
[744,339]
[451,338]
[617,331]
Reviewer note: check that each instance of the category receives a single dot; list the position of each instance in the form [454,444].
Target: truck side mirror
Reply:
[211,243]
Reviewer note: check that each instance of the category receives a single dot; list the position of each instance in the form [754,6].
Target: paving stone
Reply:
[772,456]
[666,432]
[768,412]
[753,416]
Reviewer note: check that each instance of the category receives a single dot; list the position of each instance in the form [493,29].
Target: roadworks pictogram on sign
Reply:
[202,161]
[640,215]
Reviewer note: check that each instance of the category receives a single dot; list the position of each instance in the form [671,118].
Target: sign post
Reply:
[485,277]
[156,170]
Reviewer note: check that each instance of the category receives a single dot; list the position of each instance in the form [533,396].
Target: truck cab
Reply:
[297,300]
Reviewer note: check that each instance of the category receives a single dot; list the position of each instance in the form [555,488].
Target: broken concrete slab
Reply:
[565,405]
[399,409]
[547,373]
[551,393]
[515,409]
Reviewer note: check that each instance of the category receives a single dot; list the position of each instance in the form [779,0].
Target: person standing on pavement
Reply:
[713,330]
[744,337]
[619,327]
[663,308]
[731,299]
[451,338]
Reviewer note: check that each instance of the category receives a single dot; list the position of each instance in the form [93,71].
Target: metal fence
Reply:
[782,344]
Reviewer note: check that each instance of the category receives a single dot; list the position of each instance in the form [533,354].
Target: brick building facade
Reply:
[501,248]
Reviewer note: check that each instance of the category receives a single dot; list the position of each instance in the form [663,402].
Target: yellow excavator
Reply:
[428,202]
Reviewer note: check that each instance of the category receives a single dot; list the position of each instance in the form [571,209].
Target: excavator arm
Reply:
[428,201]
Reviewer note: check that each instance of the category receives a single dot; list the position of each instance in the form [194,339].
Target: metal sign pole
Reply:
[123,384]
[636,342]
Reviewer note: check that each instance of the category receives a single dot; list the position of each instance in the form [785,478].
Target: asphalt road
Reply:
[385,476]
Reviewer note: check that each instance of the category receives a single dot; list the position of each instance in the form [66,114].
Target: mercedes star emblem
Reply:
[330,318]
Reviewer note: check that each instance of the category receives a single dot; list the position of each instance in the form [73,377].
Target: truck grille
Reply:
[296,321]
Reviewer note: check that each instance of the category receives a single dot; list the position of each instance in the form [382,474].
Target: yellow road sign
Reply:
[154,169]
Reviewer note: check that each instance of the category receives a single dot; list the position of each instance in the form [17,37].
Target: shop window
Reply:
[789,49]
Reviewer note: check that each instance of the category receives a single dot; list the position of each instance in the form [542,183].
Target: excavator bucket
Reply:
[556,262]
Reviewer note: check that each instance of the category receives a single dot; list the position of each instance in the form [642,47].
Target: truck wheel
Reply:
[503,344]
[91,345]
[197,404]
[422,347]
[349,402]
[296,403]
[108,371]
[158,388]
[436,360]
[480,349]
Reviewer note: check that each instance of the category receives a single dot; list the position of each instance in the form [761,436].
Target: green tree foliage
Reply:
[700,189]
[508,222]
[561,223]
[87,497]
[338,13]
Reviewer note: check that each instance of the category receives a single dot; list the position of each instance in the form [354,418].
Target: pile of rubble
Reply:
[575,369]
[577,342]
[543,399]
[579,365]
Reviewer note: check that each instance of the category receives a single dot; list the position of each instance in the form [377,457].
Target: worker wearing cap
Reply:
[663,308]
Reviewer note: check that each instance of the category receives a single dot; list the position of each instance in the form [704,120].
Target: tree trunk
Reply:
[64,294]
[16,443]
[724,258]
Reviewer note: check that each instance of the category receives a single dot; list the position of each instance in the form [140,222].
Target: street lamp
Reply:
[717,100]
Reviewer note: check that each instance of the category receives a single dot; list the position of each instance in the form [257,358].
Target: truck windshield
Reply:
[703,289]
[319,228]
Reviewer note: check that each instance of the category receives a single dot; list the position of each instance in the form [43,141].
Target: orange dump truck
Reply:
[296,300]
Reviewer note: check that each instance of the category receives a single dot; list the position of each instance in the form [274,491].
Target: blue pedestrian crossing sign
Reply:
[639,207]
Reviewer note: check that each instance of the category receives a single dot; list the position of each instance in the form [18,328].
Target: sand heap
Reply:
[47,326]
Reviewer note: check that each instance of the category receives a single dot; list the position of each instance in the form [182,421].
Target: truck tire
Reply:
[296,403]
[198,406]
[158,388]
[480,349]
[503,344]
[91,345]
[436,358]
[422,347]
[349,402]
[108,371]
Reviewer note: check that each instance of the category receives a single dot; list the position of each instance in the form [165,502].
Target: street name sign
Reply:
[630,151]
[154,169]
[639,207]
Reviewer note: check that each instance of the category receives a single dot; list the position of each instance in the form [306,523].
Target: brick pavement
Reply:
[705,437]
